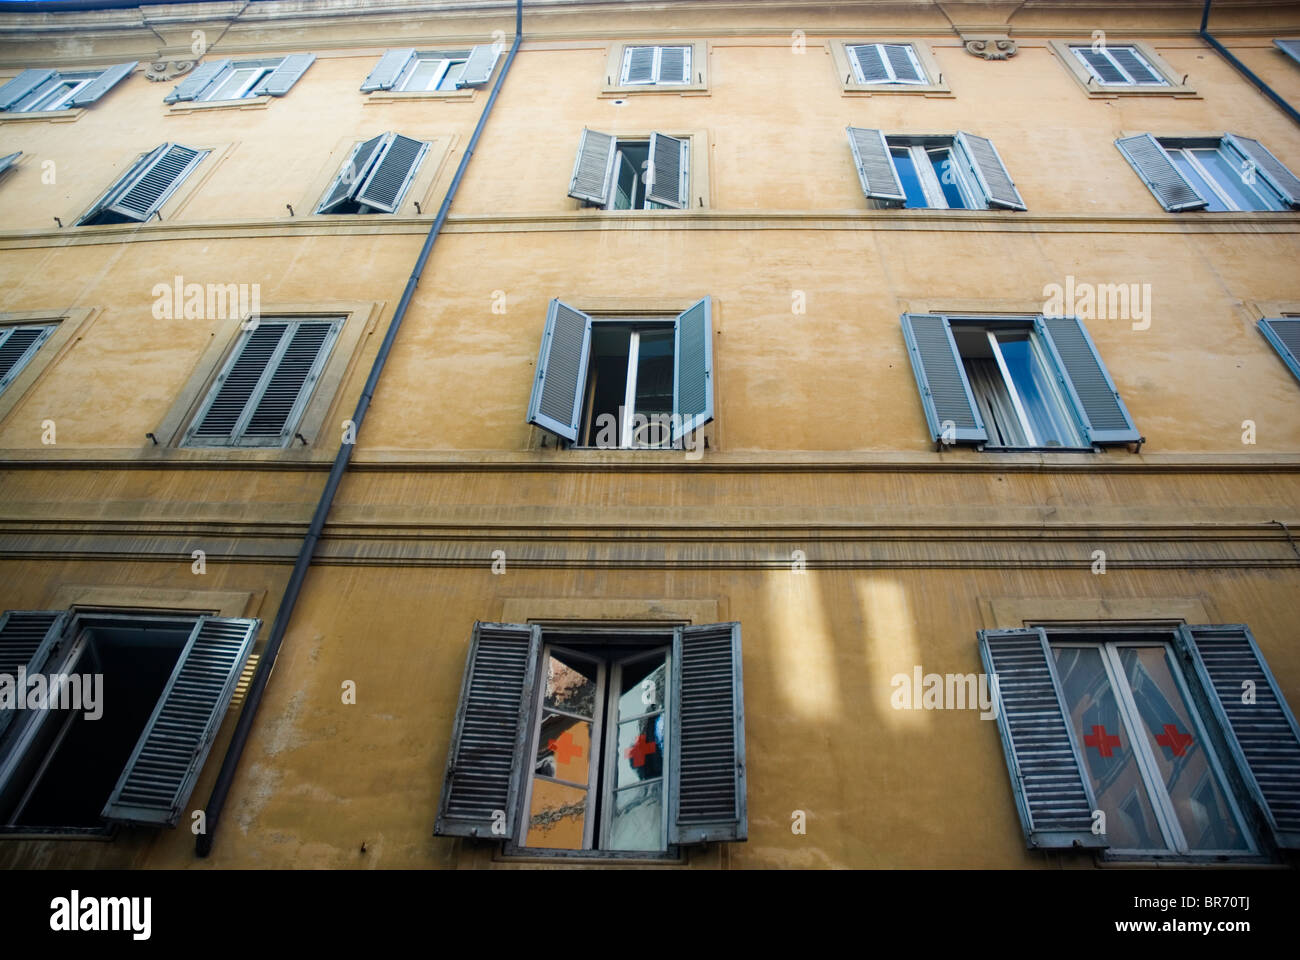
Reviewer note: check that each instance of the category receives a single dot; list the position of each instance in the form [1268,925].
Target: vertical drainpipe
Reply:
[1249,74]
[256,689]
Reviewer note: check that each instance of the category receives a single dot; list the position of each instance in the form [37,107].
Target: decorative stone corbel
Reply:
[990,46]
[161,71]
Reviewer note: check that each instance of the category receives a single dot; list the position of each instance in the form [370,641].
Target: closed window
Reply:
[226,80]
[375,176]
[1117,66]
[407,70]
[886,63]
[962,172]
[656,66]
[139,193]
[34,91]
[1225,173]
[616,173]
[18,344]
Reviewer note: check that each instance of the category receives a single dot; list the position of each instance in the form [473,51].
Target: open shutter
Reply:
[154,184]
[669,181]
[1290,47]
[17,345]
[1258,724]
[707,746]
[993,177]
[192,86]
[693,369]
[1284,334]
[279,81]
[352,173]
[384,188]
[7,160]
[120,185]
[1054,795]
[639,65]
[1274,171]
[561,378]
[388,70]
[169,755]
[1097,402]
[868,64]
[486,754]
[945,392]
[900,60]
[285,390]
[1158,172]
[674,65]
[27,637]
[593,169]
[103,83]
[478,68]
[874,165]
[23,84]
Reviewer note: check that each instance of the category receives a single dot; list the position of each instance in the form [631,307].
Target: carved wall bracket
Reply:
[990,46]
[161,71]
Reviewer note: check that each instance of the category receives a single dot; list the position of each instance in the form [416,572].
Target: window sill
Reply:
[509,853]
[103,834]
[681,89]
[389,96]
[54,116]
[1119,861]
[191,106]
[941,91]
[1146,90]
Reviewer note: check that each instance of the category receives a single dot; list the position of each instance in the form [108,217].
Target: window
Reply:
[18,344]
[227,80]
[1282,332]
[962,172]
[263,389]
[431,73]
[632,174]
[886,63]
[141,696]
[142,190]
[604,742]
[1146,725]
[1014,383]
[657,66]
[1231,172]
[35,91]
[375,176]
[407,70]
[624,383]
[1109,70]
[1117,66]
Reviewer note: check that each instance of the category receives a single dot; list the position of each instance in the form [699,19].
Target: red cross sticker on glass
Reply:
[640,750]
[564,748]
[1101,740]
[1175,741]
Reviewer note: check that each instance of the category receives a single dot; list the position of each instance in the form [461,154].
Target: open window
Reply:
[961,172]
[407,70]
[139,193]
[227,80]
[617,173]
[39,91]
[375,176]
[1229,172]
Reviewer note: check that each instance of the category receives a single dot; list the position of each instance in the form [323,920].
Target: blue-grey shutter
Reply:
[1284,334]
[393,171]
[639,65]
[27,637]
[21,85]
[154,184]
[904,70]
[593,168]
[1290,47]
[103,83]
[480,64]
[941,377]
[17,346]
[120,185]
[1274,171]
[669,174]
[1158,172]
[993,177]
[388,70]
[159,777]
[561,377]
[1097,403]
[693,369]
[707,744]
[1105,70]
[234,388]
[1053,792]
[869,64]
[285,391]
[280,80]
[352,174]
[874,164]
[1256,721]
[1134,65]
[197,82]
[8,159]
[674,65]
[486,755]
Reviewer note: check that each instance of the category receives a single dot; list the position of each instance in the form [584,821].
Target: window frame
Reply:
[257,72]
[447,61]
[656,69]
[697,82]
[967,181]
[7,330]
[1174,85]
[856,62]
[76,81]
[1077,51]
[849,78]
[626,436]
[1186,147]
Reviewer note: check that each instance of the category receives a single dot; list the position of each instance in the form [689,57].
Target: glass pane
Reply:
[557,816]
[1193,785]
[1107,752]
[448,81]
[423,75]
[564,749]
[1196,180]
[638,821]
[907,176]
[945,170]
[996,409]
[229,89]
[1051,423]
[1231,174]
[644,687]
[624,183]
[640,750]
[570,685]
[654,389]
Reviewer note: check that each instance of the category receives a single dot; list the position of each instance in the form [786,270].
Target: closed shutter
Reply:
[874,165]
[1258,724]
[945,392]
[192,86]
[393,172]
[993,177]
[674,65]
[275,413]
[900,61]
[868,64]
[280,80]
[1097,402]
[669,181]
[1133,64]
[480,64]
[103,83]
[593,168]
[27,637]
[1054,795]
[1290,47]
[693,369]
[485,760]
[1284,334]
[707,766]
[561,378]
[154,184]
[1158,172]
[23,84]
[352,174]
[1100,66]
[17,347]
[8,159]
[1274,171]
[169,755]
[388,70]
[639,65]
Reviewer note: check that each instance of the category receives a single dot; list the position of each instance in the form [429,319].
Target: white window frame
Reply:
[1187,152]
[1130,80]
[860,74]
[656,80]
[626,437]
[447,63]
[640,181]
[8,330]
[257,73]
[47,97]
[930,186]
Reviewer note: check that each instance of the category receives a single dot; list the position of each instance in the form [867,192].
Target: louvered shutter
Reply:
[1284,334]
[1097,403]
[868,63]
[900,61]
[994,180]
[478,68]
[27,637]
[159,777]
[7,160]
[941,378]
[561,378]
[1054,794]
[874,165]
[1290,47]
[192,86]
[23,84]
[693,369]
[1158,172]
[593,168]
[707,749]
[388,70]
[1274,171]
[280,80]
[275,412]
[235,387]
[674,65]
[669,178]
[352,174]
[485,760]
[17,345]
[1134,65]
[103,83]
[1102,68]
[154,184]
[1255,719]
[639,65]
[392,173]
